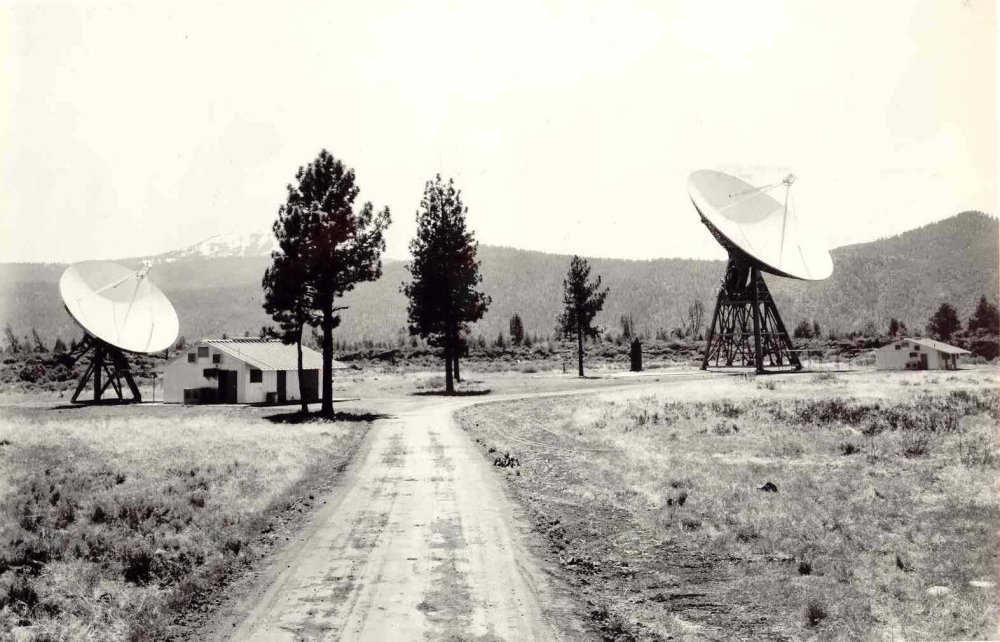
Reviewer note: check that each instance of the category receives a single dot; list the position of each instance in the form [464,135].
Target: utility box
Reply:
[636,355]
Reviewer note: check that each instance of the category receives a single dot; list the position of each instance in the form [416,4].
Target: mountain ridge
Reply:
[904,276]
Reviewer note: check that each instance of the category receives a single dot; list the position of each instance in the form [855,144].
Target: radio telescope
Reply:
[120,310]
[761,234]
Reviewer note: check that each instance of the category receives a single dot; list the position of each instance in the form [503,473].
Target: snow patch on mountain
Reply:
[258,242]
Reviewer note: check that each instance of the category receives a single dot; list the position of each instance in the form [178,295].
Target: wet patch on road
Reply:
[448,604]
[394,455]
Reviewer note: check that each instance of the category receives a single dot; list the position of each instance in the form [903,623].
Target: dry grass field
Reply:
[113,520]
[858,505]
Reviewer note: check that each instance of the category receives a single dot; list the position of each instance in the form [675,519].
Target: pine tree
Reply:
[13,343]
[944,323]
[59,347]
[696,315]
[287,293]
[893,327]
[36,341]
[516,327]
[442,293]
[985,318]
[583,300]
[335,249]
[627,322]
[803,330]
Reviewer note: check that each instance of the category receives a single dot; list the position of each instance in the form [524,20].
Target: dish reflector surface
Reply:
[757,224]
[119,306]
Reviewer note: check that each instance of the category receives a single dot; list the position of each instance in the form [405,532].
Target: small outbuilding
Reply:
[918,354]
[242,371]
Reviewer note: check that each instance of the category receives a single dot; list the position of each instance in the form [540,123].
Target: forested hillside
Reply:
[906,276]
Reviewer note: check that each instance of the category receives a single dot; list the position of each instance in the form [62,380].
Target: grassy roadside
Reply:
[114,520]
[884,522]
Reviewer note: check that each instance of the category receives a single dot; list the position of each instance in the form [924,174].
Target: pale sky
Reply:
[571,127]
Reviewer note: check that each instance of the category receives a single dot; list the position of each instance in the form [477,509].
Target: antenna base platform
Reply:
[108,367]
[746,328]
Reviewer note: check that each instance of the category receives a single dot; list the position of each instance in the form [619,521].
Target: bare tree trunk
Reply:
[302,395]
[449,384]
[327,408]
[579,348]
[458,376]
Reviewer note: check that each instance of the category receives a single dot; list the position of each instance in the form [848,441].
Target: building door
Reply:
[309,385]
[281,386]
[923,360]
[227,386]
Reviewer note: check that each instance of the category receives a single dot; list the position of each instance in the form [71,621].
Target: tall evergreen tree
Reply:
[287,292]
[583,300]
[516,327]
[944,323]
[340,248]
[985,318]
[442,293]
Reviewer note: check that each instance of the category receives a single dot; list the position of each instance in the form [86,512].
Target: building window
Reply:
[898,346]
[216,358]
[917,348]
[913,355]
[203,351]
[192,357]
[210,373]
[255,375]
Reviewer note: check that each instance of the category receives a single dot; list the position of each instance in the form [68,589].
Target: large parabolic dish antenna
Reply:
[120,309]
[761,234]
[119,306]
[751,220]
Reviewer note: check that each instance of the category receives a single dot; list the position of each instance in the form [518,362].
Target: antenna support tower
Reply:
[746,329]
[108,367]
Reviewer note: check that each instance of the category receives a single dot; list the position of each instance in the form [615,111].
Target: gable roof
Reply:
[932,344]
[269,354]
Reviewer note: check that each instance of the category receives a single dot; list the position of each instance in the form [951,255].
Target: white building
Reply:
[241,371]
[918,354]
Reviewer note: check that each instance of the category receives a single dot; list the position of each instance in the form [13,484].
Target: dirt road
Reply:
[421,543]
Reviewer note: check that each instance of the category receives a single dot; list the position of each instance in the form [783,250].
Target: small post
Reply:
[635,355]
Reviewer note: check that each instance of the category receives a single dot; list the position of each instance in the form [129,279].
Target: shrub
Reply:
[914,445]
[849,448]
[19,596]
[724,428]
[815,613]
[977,451]
[137,564]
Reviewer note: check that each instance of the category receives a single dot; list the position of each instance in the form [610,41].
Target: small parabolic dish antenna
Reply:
[761,234]
[120,310]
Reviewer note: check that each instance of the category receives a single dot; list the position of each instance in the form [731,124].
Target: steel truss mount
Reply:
[746,328]
[108,367]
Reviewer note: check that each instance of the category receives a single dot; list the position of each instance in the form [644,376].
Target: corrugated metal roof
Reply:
[932,344]
[265,354]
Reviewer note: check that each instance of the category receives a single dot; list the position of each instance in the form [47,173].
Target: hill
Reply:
[906,276]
